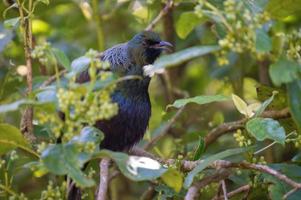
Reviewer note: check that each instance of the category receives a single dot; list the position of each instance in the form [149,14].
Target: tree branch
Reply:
[162,13]
[193,191]
[232,126]
[224,189]
[164,130]
[26,125]
[234,192]
[51,79]
[104,179]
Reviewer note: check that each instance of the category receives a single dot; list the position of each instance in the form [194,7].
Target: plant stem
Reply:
[26,24]
[99,29]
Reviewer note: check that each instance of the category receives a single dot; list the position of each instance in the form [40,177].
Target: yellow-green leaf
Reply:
[173,178]
[240,105]
[10,138]
[186,23]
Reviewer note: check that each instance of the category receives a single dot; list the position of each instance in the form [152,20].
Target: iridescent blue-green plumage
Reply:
[129,125]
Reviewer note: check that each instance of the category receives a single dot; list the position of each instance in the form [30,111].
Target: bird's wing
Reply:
[118,57]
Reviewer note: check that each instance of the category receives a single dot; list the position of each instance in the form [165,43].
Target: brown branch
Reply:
[164,130]
[162,13]
[51,79]
[221,164]
[149,193]
[26,125]
[234,192]
[289,193]
[232,126]
[224,189]
[193,191]
[104,179]
[141,152]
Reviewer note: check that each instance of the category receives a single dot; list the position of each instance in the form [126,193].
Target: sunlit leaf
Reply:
[266,128]
[40,27]
[173,178]
[204,99]
[206,162]
[294,96]
[134,167]
[186,23]
[240,105]
[10,138]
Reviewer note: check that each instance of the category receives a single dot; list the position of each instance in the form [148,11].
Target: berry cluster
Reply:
[241,139]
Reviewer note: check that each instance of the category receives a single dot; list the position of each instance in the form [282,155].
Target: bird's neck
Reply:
[137,86]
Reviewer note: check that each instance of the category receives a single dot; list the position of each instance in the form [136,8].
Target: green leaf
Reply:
[10,138]
[11,23]
[69,158]
[263,41]
[186,23]
[173,178]
[294,98]
[206,162]
[134,167]
[265,92]
[44,1]
[62,58]
[265,104]
[203,99]
[179,57]
[280,9]
[200,150]
[23,102]
[266,128]
[284,71]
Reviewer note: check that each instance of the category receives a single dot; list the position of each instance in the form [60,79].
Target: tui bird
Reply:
[126,128]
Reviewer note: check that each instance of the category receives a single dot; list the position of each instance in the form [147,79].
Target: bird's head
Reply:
[146,47]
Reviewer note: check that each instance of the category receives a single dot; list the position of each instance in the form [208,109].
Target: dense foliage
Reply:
[226,104]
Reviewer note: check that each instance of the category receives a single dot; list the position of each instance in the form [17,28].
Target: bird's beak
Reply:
[164,45]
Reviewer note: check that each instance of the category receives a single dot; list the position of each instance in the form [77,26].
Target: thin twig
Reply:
[149,193]
[193,191]
[224,189]
[234,192]
[257,167]
[164,130]
[104,179]
[289,193]
[51,79]
[162,13]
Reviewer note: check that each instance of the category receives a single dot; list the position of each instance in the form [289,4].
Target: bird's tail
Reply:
[74,193]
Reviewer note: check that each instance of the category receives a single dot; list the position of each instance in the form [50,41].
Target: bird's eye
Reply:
[150,42]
